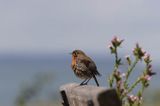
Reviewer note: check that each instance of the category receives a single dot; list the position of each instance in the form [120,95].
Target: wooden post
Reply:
[88,95]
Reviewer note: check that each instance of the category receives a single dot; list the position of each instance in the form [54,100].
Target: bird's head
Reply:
[76,53]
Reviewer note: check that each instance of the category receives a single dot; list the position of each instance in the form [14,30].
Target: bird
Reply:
[84,67]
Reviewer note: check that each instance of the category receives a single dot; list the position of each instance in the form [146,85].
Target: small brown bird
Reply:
[84,67]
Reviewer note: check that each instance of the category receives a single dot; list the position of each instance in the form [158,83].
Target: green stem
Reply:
[134,85]
[141,91]
[115,68]
[116,59]
[131,88]
[130,70]
[111,80]
[131,104]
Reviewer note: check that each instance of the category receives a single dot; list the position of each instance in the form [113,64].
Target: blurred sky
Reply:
[53,26]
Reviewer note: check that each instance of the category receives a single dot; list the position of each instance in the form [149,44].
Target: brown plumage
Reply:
[84,67]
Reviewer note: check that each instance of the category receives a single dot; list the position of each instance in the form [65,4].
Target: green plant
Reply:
[120,80]
[30,91]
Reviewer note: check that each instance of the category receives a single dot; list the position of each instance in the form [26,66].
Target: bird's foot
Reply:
[83,84]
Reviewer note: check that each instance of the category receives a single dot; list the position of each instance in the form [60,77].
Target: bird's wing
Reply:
[89,63]
[85,60]
[81,65]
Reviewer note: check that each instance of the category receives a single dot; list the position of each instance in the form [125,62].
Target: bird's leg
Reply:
[87,81]
[95,80]
[82,83]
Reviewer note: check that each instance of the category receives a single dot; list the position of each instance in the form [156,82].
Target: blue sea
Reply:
[18,71]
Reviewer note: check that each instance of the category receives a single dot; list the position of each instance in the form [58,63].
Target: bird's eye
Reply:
[74,53]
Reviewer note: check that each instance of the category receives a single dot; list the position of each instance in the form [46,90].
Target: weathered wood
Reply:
[87,95]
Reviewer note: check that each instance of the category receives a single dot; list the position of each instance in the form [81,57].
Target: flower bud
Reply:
[147,58]
[138,52]
[128,59]
[116,41]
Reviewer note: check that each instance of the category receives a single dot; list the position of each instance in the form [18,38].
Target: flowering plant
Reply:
[120,80]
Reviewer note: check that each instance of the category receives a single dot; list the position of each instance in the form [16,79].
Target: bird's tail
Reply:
[95,80]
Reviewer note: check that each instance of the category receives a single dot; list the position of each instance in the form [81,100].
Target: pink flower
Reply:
[110,46]
[132,98]
[147,77]
[146,55]
[123,75]
[127,56]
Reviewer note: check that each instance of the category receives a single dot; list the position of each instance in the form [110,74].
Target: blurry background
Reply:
[36,37]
